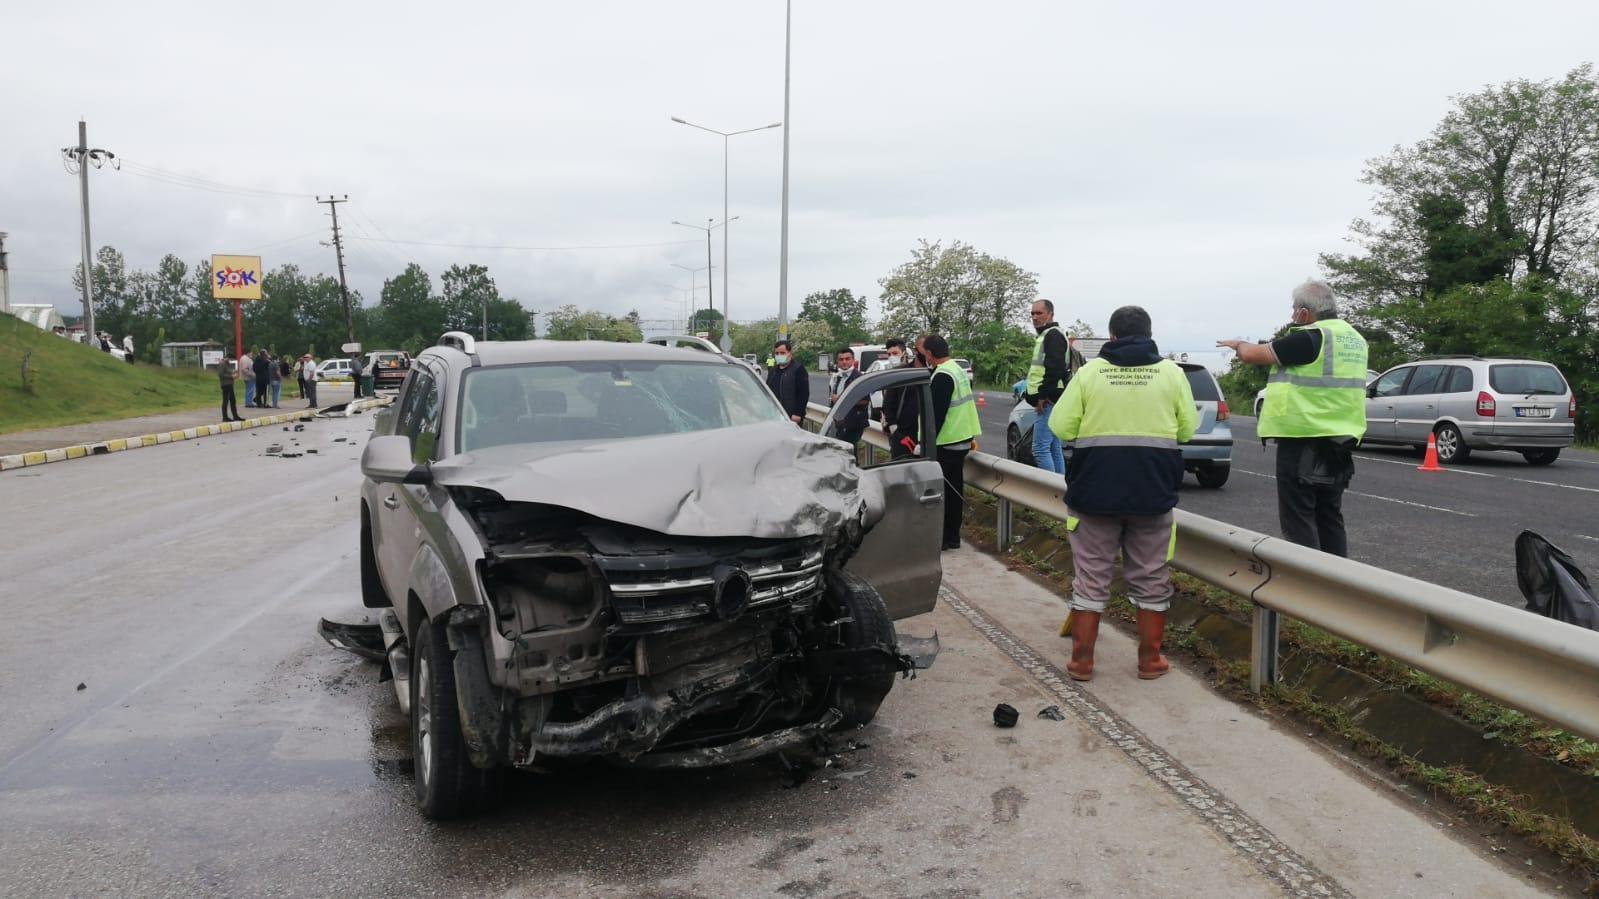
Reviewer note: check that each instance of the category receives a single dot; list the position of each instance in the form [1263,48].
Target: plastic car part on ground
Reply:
[1553,584]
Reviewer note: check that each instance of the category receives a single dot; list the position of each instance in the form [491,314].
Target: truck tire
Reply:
[373,596]
[1213,476]
[447,784]
[859,697]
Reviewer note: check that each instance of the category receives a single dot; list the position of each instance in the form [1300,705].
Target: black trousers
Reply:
[1308,515]
[230,403]
[953,462]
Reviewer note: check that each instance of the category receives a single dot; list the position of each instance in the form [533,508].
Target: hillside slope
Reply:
[73,384]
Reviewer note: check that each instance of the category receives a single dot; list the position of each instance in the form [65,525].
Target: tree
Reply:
[810,338]
[468,290]
[1505,186]
[707,320]
[843,311]
[410,311]
[1080,328]
[955,292]
[571,323]
[508,320]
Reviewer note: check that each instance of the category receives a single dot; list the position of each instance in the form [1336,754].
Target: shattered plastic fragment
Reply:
[1052,712]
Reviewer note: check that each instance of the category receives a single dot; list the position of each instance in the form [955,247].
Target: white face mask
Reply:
[894,361]
[782,358]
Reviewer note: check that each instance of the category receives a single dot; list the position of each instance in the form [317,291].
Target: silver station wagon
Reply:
[629,552]
[1473,403]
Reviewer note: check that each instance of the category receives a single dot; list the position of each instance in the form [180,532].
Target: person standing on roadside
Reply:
[892,357]
[356,370]
[1316,411]
[1128,411]
[280,370]
[956,426]
[299,377]
[263,377]
[852,424]
[789,382]
[1046,381]
[247,372]
[308,373]
[230,399]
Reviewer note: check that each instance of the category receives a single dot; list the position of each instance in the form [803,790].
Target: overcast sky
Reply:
[1191,158]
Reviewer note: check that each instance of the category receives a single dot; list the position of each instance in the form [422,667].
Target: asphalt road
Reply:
[173,726]
[1456,528]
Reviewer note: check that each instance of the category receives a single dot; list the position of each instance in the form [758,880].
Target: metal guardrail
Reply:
[1540,666]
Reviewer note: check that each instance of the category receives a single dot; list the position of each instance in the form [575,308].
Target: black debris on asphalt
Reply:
[1006,715]
[82,687]
[274,449]
[1052,712]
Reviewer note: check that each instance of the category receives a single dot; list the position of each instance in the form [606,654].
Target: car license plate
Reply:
[1534,411]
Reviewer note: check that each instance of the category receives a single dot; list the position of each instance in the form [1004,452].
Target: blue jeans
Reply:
[249,393]
[277,391]
[1047,451]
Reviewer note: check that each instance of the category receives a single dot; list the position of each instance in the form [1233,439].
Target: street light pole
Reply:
[782,266]
[727,341]
[693,288]
[710,301]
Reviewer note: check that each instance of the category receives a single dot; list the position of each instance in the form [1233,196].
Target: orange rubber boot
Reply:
[1151,628]
[1085,630]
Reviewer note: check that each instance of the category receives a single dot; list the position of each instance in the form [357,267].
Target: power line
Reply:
[155,173]
[338,249]
[470,246]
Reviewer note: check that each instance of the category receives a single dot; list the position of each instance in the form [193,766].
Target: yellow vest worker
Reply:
[956,424]
[1126,414]
[1315,411]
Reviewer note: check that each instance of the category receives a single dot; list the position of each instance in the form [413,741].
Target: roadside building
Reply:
[190,354]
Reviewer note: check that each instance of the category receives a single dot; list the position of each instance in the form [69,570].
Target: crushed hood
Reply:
[772,481]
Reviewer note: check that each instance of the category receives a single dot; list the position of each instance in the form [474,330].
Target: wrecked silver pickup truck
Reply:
[624,551]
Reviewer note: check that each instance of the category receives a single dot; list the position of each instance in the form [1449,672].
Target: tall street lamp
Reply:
[710,295]
[693,290]
[726,343]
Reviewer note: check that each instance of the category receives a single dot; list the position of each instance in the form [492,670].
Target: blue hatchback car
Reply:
[1209,455]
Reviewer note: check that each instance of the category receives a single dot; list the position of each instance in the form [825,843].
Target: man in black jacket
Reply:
[263,378]
[789,382]
[1046,381]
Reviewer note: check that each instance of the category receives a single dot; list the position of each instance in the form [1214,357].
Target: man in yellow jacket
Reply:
[1125,413]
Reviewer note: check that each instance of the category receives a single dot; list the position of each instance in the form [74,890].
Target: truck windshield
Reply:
[550,402]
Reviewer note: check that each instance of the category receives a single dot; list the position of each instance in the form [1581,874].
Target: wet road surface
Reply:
[217,746]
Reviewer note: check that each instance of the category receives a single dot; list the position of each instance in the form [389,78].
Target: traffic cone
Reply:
[982,401]
[1431,462]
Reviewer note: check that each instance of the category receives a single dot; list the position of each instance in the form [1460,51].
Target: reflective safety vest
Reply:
[960,423]
[1035,372]
[1325,398]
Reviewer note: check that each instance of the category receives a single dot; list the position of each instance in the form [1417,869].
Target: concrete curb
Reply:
[85,450]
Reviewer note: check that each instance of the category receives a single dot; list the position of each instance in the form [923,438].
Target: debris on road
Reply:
[1006,715]
[274,449]
[82,687]
[299,427]
[1052,712]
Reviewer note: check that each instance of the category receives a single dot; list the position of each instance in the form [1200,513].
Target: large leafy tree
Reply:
[842,310]
[468,290]
[411,316]
[955,291]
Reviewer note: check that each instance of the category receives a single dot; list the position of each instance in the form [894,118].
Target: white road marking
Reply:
[1586,537]
[1561,486]
[1386,499]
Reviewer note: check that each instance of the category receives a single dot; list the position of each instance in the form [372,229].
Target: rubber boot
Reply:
[1151,628]
[1085,630]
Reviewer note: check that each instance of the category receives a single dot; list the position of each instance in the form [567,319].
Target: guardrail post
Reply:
[1002,530]
[1263,649]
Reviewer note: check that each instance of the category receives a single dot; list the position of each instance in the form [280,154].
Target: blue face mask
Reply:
[782,358]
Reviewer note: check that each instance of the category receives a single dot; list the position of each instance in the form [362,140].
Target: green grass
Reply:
[70,383]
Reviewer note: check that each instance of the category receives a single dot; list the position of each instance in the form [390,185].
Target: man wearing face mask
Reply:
[1316,411]
[789,382]
[893,357]
[852,424]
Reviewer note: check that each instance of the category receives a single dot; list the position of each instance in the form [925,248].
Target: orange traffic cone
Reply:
[1431,462]
[982,401]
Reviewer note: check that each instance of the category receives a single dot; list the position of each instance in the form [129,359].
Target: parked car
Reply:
[1473,403]
[387,368]
[1209,454]
[1260,395]
[627,552]
[699,343]
[966,366]
[337,369]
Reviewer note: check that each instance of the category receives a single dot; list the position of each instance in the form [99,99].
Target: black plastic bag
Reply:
[1553,584]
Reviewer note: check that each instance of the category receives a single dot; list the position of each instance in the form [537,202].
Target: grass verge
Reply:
[68,383]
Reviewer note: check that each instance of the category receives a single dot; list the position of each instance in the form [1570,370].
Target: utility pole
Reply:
[84,156]
[338,250]
[710,290]
[782,275]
